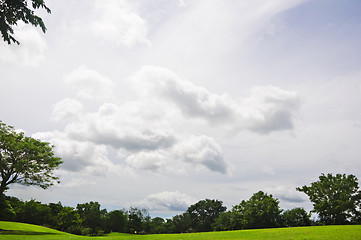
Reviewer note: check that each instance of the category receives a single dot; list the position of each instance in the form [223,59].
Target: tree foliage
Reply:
[11,11]
[260,211]
[336,199]
[25,160]
[296,217]
[203,214]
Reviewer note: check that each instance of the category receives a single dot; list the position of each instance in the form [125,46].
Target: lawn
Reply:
[19,231]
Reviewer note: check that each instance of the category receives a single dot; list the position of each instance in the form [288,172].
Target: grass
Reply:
[20,231]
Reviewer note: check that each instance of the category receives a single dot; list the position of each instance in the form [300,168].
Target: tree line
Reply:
[260,211]
[336,200]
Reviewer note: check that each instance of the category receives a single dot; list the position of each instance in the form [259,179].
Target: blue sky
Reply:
[159,104]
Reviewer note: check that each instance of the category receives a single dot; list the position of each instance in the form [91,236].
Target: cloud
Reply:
[78,155]
[267,109]
[30,52]
[287,194]
[202,150]
[67,109]
[119,23]
[163,201]
[89,83]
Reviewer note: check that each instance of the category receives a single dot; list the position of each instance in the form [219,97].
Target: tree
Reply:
[69,220]
[296,217]
[116,221]
[138,220]
[11,11]
[260,211]
[25,160]
[336,199]
[181,223]
[92,216]
[203,214]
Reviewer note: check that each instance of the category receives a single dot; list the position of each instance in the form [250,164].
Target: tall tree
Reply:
[204,213]
[260,211]
[93,217]
[11,11]
[336,199]
[25,160]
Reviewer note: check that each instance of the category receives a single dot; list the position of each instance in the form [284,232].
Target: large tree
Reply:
[25,160]
[260,211]
[336,199]
[11,11]
[204,213]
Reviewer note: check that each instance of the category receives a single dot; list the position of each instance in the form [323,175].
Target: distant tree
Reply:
[11,11]
[181,223]
[138,220]
[223,222]
[93,217]
[116,221]
[25,160]
[260,211]
[34,212]
[203,214]
[336,199]
[158,225]
[296,217]
[69,221]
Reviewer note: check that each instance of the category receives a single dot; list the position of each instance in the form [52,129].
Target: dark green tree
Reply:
[138,220]
[116,221]
[158,225]
[296,217]
[203,214]
[69,220]
[93,217]
[336,199]
[260,211]
[11,11]
[181,223]
[25,160]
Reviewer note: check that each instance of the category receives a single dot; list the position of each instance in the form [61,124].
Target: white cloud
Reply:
[89,83]
[163,201]
[119,23]
[287,194]
[30,52]
[267,109]
[67,109]
[79,156]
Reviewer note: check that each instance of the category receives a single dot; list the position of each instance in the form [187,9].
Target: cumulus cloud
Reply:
[89,83]
[31,50]
[287,194]
[78,155]
[67,109]
[267,109]
[163,201]
[149,131]
[188,152]
[119,23]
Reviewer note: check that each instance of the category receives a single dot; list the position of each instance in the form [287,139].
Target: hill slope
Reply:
[21,231]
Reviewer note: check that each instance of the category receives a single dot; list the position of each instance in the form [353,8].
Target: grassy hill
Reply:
[20,231]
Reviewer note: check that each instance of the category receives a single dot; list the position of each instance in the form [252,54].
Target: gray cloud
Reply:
[267,109]
[173,201]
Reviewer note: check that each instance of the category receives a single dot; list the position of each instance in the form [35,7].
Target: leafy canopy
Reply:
[25,160]
[11,11]
[336,199]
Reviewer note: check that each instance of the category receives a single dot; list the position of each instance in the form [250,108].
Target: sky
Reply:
[159,104]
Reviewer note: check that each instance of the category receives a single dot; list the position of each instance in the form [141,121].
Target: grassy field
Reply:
[19,231]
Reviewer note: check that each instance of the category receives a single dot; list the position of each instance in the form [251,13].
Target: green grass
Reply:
[20,231]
